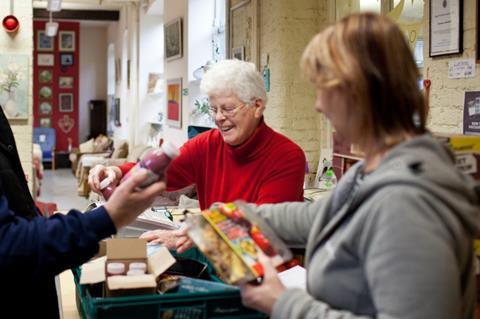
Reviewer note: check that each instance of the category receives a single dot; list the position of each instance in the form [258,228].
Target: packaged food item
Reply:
[230,235]
[155,162]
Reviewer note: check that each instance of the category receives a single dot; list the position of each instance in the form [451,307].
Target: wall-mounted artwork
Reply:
[65,82]
[45,76]
[116,107]
[14,85]
[45,108]
[238,53]
[45,59]
[65,102]
[174,102]
[44,42]
[66,123]
[66,59]
[154,83]
[45,122]
[66,41]
[173,39]
[45,92]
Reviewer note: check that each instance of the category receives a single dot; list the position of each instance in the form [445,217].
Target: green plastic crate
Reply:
[223,303]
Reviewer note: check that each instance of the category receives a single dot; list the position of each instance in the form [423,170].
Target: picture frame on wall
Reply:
[45,122]
[45,76]
[45,108]
[45,59]
[44,42]
[66,59]
[445,27]
[65,102]
[116,108]
[174,102]
[238,53]
[65,82]
[173,39]
[66,41]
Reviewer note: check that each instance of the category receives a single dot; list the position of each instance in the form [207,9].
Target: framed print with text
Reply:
[445,26]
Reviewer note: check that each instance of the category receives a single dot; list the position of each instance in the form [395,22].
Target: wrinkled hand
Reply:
[99,173]
[128,200]
[172,239]
[262,297]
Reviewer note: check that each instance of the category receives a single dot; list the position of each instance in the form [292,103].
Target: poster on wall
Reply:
[14,85]
[174,102]
[471,113]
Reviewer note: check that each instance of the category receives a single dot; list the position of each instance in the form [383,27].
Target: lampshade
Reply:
[51,29]
[54,5]
[199,72]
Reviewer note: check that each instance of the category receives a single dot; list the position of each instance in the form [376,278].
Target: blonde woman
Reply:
[395,238]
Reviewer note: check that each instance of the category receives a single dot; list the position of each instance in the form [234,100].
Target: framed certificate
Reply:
[445,26]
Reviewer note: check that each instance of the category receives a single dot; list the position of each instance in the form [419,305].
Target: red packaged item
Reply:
[155,162]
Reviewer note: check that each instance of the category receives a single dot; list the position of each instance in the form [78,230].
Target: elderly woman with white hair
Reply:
[243,158]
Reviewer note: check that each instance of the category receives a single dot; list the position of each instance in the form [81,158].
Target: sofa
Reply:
[121,154]
[101,146]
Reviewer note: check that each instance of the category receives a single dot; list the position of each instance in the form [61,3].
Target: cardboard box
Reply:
[127,250]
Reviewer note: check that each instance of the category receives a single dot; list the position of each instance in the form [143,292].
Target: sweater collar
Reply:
[253,146]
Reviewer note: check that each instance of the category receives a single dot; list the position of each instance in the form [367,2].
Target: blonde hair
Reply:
[367,56]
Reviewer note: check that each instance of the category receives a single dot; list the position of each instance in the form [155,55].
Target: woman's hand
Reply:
[99,172]
[262,297]
[172,239]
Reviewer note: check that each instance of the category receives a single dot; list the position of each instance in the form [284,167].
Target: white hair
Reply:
[237,77]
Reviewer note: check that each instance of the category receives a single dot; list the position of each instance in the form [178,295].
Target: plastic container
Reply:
[138,266]
[115,269]
[155,162]
[192,300]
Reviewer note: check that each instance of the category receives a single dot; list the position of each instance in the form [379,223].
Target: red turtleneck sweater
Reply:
[267,168]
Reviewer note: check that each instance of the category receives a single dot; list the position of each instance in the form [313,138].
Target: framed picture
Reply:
[45,76]
[174,102]
[65,102]
[445,27]
[45,108]
[478,32]
[45,122]
[65,82]
[44,42]
[116,107]
[45,59]
[66,41]
[14,85]
[153,85]
[45,92]
[173,39]
[238,53]
[66,59]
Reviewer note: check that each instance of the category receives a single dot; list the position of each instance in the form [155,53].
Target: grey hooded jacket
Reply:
[396,243]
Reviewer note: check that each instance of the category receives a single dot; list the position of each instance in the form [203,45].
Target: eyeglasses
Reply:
[229,111]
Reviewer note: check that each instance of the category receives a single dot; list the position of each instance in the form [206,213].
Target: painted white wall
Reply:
[178,69]
[150,61]
[93,73]
[21,43]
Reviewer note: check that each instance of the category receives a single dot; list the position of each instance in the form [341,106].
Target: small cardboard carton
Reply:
[126,251]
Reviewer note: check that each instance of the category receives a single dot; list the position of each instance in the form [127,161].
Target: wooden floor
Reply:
[60,187]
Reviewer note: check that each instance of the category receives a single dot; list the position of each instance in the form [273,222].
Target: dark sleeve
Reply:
[182,170]
[40,248]
[284,182]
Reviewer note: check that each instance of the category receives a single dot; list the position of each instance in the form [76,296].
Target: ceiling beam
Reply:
[97,15]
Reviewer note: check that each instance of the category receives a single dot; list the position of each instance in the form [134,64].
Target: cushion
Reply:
[136,153]
[86,147]
[121,150]
[101,143]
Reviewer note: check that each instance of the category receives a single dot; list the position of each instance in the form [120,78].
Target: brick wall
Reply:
[286,27]
[21,43]
[447,95]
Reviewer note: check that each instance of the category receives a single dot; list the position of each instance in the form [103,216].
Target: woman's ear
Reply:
[259,106]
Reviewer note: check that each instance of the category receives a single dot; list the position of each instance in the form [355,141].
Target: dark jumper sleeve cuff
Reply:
[100,222]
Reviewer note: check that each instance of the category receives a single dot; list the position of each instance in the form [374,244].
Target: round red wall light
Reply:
[10,23]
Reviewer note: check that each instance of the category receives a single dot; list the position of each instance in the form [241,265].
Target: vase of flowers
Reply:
[10,80]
